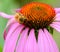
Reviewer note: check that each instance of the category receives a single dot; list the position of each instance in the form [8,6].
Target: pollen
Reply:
[37,15]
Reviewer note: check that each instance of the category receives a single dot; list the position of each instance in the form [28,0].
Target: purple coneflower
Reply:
[28,29]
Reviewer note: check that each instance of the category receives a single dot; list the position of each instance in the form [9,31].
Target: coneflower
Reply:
[28,30]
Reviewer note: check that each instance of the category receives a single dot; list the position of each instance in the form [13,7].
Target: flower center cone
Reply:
[36,15]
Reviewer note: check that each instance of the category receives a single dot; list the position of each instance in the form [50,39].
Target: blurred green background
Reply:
[8,6]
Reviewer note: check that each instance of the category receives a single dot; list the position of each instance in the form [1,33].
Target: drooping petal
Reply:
[52,44]
[5,34]
[57,10]
[57,17]
[22,40]
[8,26]
[31,44]
[10,42]
[55,26]
[58,23]
[10,29]
[17,10]
[6,15]
[43,42]
[11,21]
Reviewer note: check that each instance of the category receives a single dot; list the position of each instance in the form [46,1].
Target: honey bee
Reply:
[20,18]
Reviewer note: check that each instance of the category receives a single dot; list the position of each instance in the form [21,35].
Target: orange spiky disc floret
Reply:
[38,15]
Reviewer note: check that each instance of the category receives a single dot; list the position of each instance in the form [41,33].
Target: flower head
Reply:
[39,14]
[28,29]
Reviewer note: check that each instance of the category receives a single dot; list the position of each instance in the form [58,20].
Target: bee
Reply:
[20,18]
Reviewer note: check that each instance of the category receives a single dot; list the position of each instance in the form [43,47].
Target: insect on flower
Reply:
[28,30]
[20,18]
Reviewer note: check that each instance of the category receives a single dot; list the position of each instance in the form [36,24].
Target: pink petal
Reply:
[5,34]
[11,21]
[6,15]
[22,41]
[46,42]
[57,17]
[43,42]
[8,26]
[57,10]
[58,23]
[17,10]
[10,42]
[55,26]
[53,47]
[8,31]
[31,44]
[13,28]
